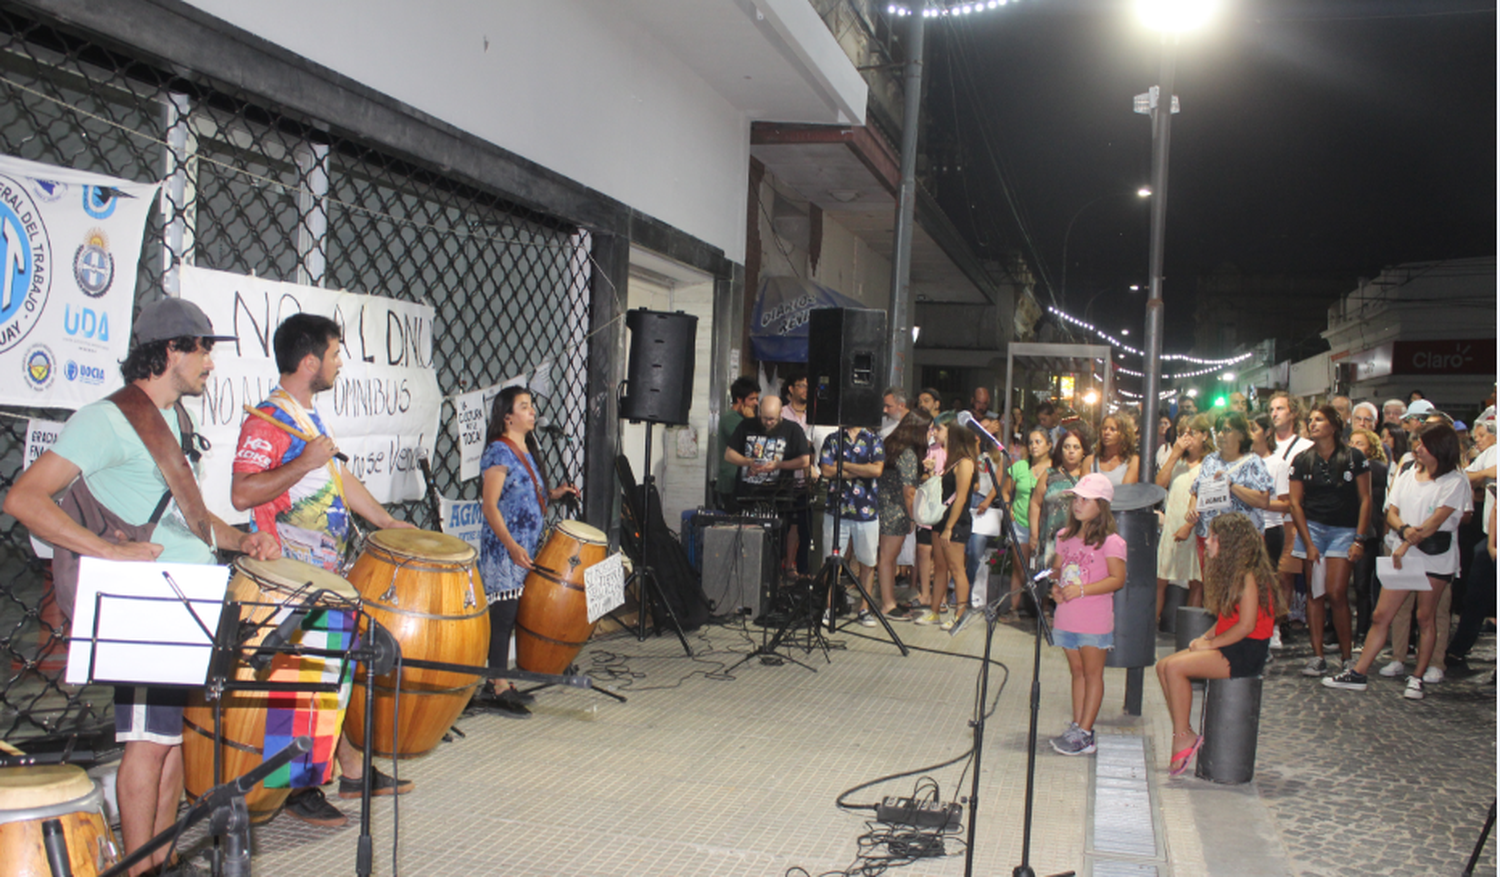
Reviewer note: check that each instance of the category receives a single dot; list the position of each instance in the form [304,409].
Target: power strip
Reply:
[921,814]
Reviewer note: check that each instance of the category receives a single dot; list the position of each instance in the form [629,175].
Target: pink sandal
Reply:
[1180,760]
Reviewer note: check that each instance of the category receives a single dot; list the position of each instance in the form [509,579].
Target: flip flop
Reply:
[1180,760]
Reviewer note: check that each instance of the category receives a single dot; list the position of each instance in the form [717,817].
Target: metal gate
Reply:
[251,188]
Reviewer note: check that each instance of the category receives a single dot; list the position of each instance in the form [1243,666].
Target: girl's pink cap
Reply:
[1094,486]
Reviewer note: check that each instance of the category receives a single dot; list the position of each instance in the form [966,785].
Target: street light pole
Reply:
[899,338]
[1161,140]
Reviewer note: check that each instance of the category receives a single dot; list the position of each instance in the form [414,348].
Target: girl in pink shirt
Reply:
[1088,569]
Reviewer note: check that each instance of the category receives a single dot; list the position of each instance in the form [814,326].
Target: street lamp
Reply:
[1172,18]
[1143,192]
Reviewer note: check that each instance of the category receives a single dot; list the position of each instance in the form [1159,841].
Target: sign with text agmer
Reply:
[383,409]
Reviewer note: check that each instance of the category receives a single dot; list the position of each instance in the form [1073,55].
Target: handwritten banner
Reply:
[41,435]
[383,409]
[604,586]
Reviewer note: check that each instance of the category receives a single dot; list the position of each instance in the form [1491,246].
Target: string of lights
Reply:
[1166,357]
[950,9]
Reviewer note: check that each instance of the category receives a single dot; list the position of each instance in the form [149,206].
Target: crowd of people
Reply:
[1279,520]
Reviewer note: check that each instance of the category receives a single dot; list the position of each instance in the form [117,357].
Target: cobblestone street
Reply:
[1363,783]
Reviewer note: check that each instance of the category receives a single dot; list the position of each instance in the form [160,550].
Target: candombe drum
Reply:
[552,622]
[423,587]
[31,796]
[271,584]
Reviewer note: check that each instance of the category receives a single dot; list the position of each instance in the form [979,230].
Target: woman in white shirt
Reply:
[1423,510]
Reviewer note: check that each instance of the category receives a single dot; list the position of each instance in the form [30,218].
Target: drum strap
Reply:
[167,451]
[541,493]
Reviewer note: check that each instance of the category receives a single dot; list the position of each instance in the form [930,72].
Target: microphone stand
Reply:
[992,614]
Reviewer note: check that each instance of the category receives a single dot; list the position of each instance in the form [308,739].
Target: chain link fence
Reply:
[253,189]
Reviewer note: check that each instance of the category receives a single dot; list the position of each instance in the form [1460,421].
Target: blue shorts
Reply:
[1023,534]
[1330,541]
[150,714]
[861,538]
[1067,639]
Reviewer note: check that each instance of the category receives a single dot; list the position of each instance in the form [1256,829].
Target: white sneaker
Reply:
[1413,688]
[1393,669]
[1317,667]
[1433,676]
[1276,637]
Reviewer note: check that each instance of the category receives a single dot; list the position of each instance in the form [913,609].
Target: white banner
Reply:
[383,409]
[470,422]
[464,519]
[41,435]
[604,586]
[69,245]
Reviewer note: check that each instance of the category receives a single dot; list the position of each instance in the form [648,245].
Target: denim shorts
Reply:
[1330,541]
[150,714]
[1023,534]
[1066,639]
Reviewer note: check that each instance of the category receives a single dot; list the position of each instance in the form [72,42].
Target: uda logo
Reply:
[39,367]
[25,263]
[93,266]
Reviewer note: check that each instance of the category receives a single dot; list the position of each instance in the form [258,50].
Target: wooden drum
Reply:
[272,582]
[30,796]
[552,622]
[424,588]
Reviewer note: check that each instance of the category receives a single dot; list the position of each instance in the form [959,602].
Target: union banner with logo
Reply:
[69,245]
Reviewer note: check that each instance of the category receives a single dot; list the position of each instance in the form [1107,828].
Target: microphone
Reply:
[548,427]
[284,631]
[968,420]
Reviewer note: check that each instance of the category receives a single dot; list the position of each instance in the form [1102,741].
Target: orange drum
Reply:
[552,622]
[30,796]
[270,582]
[423,587]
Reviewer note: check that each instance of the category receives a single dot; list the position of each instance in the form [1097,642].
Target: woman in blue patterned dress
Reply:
[1232,479]
[515,496]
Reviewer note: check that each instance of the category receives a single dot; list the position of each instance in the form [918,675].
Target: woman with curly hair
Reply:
[1242,588]
[1049,507]
[904,449]
[1114,454]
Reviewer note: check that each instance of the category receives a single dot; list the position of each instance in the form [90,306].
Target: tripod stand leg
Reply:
[879,616]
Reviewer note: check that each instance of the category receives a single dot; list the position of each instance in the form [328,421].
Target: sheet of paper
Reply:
[1319,576]
[154,641]
[1213,494]
[604,586]
[1412,576]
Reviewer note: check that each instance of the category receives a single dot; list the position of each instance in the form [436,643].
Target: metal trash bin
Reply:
[1135,604]
[1175,597]
[1231,727]
[1192,622]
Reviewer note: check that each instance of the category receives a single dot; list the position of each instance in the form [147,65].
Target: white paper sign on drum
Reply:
[604,584]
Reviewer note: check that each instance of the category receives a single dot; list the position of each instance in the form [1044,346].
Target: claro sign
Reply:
[1472,356]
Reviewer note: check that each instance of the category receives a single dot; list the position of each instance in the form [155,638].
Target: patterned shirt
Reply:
[1249,471]
[310,520]
[860,498]
[503,578]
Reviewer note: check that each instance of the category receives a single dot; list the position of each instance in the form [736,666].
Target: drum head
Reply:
[43,785]
[285,576]
[583,532]
[424,544]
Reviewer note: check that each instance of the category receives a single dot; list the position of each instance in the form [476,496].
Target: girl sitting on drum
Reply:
[515,496]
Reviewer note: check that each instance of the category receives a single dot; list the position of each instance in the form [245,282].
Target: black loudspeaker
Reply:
[659,383]
[845,366]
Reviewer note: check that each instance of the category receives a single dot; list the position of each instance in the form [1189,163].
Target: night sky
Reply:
[1326,139]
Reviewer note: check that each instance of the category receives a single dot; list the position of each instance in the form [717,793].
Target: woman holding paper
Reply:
[1331,512]
[1422,512]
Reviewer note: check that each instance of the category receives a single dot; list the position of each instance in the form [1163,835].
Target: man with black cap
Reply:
[132,450]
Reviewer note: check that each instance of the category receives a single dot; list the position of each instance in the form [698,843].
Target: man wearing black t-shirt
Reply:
[766,449]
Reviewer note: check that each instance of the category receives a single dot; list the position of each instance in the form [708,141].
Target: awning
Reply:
[779,333]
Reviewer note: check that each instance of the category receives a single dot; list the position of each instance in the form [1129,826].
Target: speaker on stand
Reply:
[658,389]
[845,366]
